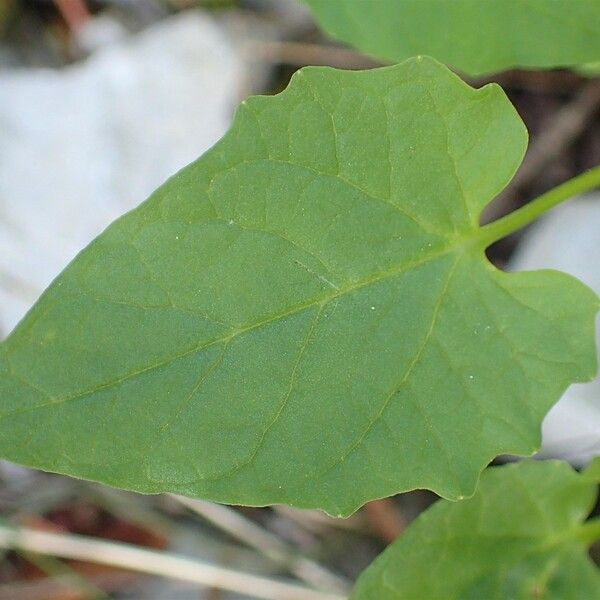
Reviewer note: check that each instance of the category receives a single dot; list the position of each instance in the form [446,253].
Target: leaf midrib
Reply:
[433,255]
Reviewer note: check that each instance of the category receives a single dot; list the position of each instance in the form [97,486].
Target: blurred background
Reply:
[100,102]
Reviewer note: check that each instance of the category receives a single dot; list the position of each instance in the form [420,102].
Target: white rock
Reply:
[82,145]
[568,239]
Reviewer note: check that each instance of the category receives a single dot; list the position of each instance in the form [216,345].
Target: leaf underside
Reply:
[474,36]
[515,539]
[305,315]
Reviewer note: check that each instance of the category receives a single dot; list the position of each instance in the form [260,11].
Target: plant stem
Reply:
[127,556]
[589,532]
[260,539]
[57,570]
[522,217]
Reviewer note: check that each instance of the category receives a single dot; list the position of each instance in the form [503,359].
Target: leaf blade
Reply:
[283,281]
[517,537]
[474,37]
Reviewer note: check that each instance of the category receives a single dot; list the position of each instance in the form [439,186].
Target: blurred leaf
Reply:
[520,537]
[473,36]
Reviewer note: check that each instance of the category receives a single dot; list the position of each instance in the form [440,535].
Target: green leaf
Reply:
[592,471]
[519,537]
[474,36]
[305,315]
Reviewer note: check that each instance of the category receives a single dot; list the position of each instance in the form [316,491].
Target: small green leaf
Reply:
[305,315]
[592,471]
[519,537]
[474,36]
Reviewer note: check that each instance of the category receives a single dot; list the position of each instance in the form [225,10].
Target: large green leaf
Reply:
[475,36]
[305,315]
[519,538]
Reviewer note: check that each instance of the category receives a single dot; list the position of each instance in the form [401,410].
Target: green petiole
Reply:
[522,217]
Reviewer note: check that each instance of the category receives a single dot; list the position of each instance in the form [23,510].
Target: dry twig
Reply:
[255,536]
[126,556]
